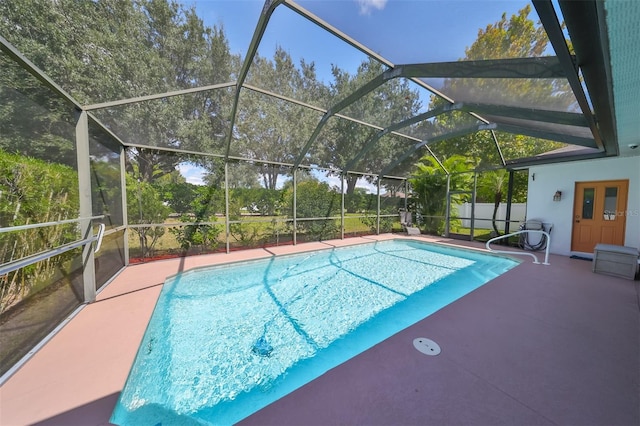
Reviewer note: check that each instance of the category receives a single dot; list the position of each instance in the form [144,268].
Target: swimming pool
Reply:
[225,341]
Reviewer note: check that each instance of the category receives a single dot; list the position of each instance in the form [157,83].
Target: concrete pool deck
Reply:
[540,344]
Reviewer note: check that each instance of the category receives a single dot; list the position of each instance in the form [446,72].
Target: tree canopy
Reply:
[510,37]
[343,140]
[110,50]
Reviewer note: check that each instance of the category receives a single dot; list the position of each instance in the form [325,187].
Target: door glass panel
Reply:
[587,203]
[610,203]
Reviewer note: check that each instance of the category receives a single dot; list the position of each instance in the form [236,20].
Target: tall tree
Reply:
[392,102]
[516,36]
[112,49]
[272,129]
[493,184]
[34,121]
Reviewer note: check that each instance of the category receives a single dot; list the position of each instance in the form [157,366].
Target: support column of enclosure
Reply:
[342,206]
[473,204]
[447,214]
[378,209]
[125,214]
[406,196]
[226,204]
[295,207]
[85,224]
[509,200]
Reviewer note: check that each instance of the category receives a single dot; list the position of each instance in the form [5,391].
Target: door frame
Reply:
[624,195]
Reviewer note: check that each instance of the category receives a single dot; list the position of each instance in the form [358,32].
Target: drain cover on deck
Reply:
[426,346]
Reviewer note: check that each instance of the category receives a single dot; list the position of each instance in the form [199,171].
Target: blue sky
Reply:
[194,174]
[402,31]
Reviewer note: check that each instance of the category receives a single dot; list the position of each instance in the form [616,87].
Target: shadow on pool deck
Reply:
[93,413]
[538,345]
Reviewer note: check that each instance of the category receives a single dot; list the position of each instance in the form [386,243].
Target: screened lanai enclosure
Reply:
[135,130]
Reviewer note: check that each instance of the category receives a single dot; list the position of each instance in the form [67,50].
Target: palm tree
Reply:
[493,184]
[429,187]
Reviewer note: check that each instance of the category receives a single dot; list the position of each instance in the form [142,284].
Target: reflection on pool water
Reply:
[225,341]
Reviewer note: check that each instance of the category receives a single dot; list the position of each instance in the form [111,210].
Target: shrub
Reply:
[24,200]
[315,200]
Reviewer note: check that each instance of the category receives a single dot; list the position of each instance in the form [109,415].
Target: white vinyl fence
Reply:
[484,212]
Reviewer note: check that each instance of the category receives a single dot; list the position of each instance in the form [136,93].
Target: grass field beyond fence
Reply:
[250,232]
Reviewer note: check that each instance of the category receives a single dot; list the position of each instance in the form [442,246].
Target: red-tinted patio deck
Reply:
[538,345]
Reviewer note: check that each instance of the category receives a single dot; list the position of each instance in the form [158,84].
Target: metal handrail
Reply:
[98,238]
[40,225]
[535,258]
[26,261]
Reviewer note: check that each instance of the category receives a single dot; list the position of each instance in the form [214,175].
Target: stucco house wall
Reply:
[545,180]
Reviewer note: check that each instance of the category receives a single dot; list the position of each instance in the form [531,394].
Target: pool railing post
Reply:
[524,231]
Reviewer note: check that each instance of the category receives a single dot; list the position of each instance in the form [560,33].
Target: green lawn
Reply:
[252,232]
[483,235]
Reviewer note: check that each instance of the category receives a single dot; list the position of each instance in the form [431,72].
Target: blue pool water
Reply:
[225,341]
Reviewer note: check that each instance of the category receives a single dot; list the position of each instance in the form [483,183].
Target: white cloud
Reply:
[334,181]
[367,6]
[193,174]
[195,180]
[371,188]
